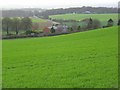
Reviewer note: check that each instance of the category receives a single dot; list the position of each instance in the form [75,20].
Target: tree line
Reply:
[29,12]
[16,24]
[97,10]
[25,24]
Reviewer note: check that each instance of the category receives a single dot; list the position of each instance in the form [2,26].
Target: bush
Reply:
[70,29]
[92,23]
[29,32]
[79,28]
[96,24]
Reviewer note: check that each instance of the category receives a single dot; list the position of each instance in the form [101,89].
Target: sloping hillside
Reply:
[101,17]
[79,60]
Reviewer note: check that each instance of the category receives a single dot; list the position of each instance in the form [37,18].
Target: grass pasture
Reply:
[102,17]
[80,60]
[36,20]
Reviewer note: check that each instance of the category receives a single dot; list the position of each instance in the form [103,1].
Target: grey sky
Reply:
[56,3]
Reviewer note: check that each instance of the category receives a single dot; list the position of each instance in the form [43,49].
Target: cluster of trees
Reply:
[23,12]
[16,24]
[88,24]
[25,24]
[77,10]
[74,28]
[29,12]
[91,24]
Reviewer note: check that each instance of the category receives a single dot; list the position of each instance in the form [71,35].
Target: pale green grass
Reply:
[38,20]
[101,17]
[80,60]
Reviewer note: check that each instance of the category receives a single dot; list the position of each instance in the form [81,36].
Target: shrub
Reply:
[79,28]
[28,32]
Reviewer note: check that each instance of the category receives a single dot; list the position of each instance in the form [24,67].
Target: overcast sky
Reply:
[56,3]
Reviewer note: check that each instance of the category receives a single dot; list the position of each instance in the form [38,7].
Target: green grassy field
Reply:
[102,17]
[80,60]
[38,20]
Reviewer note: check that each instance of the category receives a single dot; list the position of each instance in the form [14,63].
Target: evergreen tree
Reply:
[52,30]
[79,28]
[110,22]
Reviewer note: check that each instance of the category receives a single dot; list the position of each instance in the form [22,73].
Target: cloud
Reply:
[55,3]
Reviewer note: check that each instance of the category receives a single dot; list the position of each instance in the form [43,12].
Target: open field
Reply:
[102,17]
[38,20]
[79,60]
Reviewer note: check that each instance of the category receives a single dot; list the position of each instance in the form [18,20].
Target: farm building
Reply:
[48,23]
[59,29]
[87,12]
[65,29]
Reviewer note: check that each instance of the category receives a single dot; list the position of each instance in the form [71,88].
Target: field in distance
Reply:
[80,60]
[36,20]
[103,18]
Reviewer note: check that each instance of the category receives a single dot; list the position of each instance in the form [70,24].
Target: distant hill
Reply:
[85,10]
[24,12]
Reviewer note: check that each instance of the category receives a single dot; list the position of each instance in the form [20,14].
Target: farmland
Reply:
[80,60]
[35,20]
[102,17]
